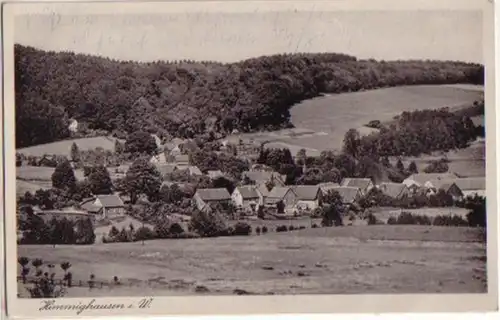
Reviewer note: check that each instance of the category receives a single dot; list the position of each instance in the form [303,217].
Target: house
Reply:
[349,195]
[308,197]
[182,159]
[104,206]
[247,197]
[472,186]
[449,186]
[363,184]
[206,197]
[418,180]
[284,194]
[263,177]
[214,174]
[194,171]
[394,190]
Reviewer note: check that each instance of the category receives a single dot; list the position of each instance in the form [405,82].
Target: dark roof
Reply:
[348,194]
[361,183]
[110,201]
[393,190]
[278,192]
[262,176]
[248,192]
[306,192]
[213,194]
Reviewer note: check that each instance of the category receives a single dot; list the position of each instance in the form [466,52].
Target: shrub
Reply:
[302,227]
[291,228]
[257,230]
[175,228]
[392,220]
[450,220]
[264,229]
[242,229]
[372,220]
[281,228]
[143,233]
[314,226]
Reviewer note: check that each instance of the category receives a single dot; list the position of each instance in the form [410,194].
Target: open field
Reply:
[468,162]
[64,147]
[322,122]
[29,178]
[343,260]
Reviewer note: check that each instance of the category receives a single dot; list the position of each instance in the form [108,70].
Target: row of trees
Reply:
[191,99]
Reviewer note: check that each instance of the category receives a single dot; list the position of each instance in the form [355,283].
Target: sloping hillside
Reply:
[188,98]
[63,148]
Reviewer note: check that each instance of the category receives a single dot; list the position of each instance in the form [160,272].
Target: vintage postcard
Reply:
[249,157]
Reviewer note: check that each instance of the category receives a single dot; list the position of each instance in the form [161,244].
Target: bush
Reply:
[314,226]
[392,220]
[242,229]
[257,230]
[302,227]
[281,228]
[175,228]
[291,228]
[264,229]
[372,220]
[143,233]
[449,220]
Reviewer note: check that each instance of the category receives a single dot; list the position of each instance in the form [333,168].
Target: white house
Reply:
[418,180]
[209,196]
[104,206]
[247,197]
[308,197]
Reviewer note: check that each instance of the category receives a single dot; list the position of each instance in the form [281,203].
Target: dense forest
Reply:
[188,98]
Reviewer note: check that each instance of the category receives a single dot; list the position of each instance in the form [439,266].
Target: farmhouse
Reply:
[363,184]
[419,179]
[394,190]
[247,197]
[472,186]
[263,177]
[349,195]
[207,197]
[104,206]
[284,194]
[449,186]
[308,197]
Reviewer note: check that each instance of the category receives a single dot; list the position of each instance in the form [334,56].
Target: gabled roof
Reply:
[348,194]
[393,190]
[263,189]
[213,194]
[263,176]
[326,185]
[278,192]
[466,184]
[88,205]
[422,178]
[108,201]
[361,183]
[304,192]
[248,192]
[441,184]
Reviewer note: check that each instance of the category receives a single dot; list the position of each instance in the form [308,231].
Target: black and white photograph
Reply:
[248,148]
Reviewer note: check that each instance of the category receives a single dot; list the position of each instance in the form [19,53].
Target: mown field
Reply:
[342,260]
[320,123]
[30,178]
[63,148]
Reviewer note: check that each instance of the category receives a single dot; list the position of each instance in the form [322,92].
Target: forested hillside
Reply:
[187,98]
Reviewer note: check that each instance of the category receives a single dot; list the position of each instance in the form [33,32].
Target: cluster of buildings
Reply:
[268,189]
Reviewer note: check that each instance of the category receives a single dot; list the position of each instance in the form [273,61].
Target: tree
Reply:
[208,223]
[142,178]
[332,213]
[85,231]
[100,181]
[400,166]
[352,142]
[280,206]
[119,147]
[67,276]
[23,261]
[439,166]
[301,157]
[37,263]
[412,168]
[223,182]
[64,176]
[75,153]
[141,142]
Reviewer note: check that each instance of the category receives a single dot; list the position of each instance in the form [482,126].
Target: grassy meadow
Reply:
[369,259]
[63,148]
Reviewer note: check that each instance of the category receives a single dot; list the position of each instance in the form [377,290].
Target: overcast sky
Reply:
[443,35]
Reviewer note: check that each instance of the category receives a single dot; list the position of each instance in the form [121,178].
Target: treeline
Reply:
[415,133]
[188,99]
